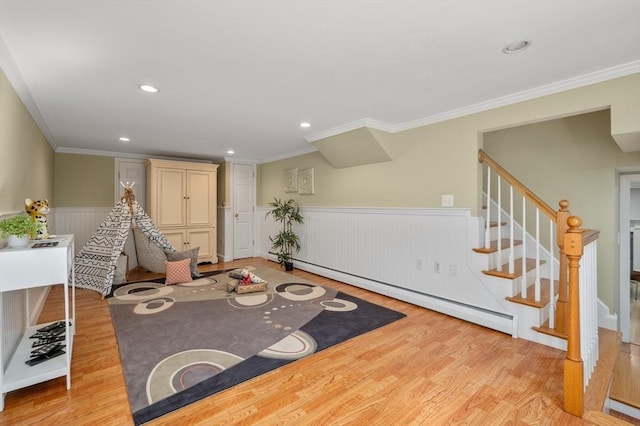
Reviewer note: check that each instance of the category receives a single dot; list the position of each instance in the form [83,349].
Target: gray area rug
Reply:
[180,343]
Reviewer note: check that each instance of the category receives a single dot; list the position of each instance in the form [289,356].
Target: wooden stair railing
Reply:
[577,244]
[557,324]
[571,242]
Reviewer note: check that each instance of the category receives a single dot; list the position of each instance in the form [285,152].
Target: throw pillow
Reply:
[150,255]
[189,254]
[178,272]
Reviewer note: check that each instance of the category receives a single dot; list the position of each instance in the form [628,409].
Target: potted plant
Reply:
[285,242]
[17,230]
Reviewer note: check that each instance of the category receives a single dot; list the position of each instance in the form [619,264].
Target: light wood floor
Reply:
[425,369]
[625,385]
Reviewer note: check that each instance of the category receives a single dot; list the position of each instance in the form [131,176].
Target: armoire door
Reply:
[171,198]
[201,195]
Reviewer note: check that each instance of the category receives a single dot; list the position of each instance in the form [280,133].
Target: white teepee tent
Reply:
[95,264]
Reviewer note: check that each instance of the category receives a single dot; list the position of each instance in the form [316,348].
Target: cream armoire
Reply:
[181,200]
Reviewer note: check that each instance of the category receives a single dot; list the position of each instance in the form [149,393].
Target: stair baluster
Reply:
[552,286]
[538,263]
[487,234]
[523,277]
[499,224]
[511,222]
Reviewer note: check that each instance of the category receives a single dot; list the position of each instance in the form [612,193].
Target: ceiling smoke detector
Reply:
[516,46]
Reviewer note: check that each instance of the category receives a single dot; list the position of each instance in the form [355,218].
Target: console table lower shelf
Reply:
[19,375]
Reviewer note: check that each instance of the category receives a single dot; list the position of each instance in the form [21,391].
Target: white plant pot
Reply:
[15,241]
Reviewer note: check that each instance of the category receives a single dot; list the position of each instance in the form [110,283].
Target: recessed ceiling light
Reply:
[124,139]
[149,88]
[230,152]
[305,125]
[516,46]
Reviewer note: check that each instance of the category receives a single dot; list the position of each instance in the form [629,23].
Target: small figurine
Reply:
[38,211]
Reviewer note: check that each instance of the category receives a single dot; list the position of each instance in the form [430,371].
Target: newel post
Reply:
[573,369]
[562,308]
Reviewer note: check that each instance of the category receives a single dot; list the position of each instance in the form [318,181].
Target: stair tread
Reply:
[609,342]
[529,298]
[493,246]
[517,270]
[494,224]
[544,328]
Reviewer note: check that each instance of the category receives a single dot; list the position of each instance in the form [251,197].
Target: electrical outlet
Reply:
[453,270]
[436,267]
[447,200]
[419,264]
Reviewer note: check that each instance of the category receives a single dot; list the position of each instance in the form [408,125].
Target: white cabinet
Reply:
[181,200]
[24,268]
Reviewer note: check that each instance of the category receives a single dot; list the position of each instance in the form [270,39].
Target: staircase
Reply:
[544,266]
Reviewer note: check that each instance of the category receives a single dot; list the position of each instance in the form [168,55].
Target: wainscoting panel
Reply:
[418,255]
[13,321]
[80,221]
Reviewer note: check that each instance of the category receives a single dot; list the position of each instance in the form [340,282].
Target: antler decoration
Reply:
[128,195]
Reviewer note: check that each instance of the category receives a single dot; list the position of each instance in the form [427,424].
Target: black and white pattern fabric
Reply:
[95,264]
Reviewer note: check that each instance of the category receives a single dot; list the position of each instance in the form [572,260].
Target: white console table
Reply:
[28,267]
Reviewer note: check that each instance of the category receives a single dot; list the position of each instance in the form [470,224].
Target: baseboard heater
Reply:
[494,320]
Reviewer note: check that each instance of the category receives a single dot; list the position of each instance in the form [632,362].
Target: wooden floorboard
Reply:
[425,369]
[625,384]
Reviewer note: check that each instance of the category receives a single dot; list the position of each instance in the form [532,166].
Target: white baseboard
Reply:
[605,318]
[492,320]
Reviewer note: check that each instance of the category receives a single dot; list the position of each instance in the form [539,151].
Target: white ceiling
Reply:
[244,74]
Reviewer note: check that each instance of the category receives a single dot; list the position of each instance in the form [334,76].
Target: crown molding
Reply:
[14,75]
[538,92]
[123,155]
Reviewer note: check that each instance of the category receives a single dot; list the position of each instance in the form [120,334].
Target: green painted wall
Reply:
[573,158]
[223,184]
[27,158]
[83,180]
[442,158]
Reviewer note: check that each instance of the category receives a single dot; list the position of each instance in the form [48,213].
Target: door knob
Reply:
[236,215]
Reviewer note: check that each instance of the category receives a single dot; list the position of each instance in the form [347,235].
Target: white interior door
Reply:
[129,170]
[243,209]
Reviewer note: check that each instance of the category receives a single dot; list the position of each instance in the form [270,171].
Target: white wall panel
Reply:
[80,221]
[393,247]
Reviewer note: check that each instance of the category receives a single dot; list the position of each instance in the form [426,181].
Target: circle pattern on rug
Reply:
[153,306]
[199,282]
[339,305]
[300,291]
[192,374]
[250,300]
[142,291]
[192,365]
[268,319]
[295,346]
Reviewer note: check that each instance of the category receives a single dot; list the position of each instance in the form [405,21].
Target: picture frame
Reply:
[291,180]
[306,184]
